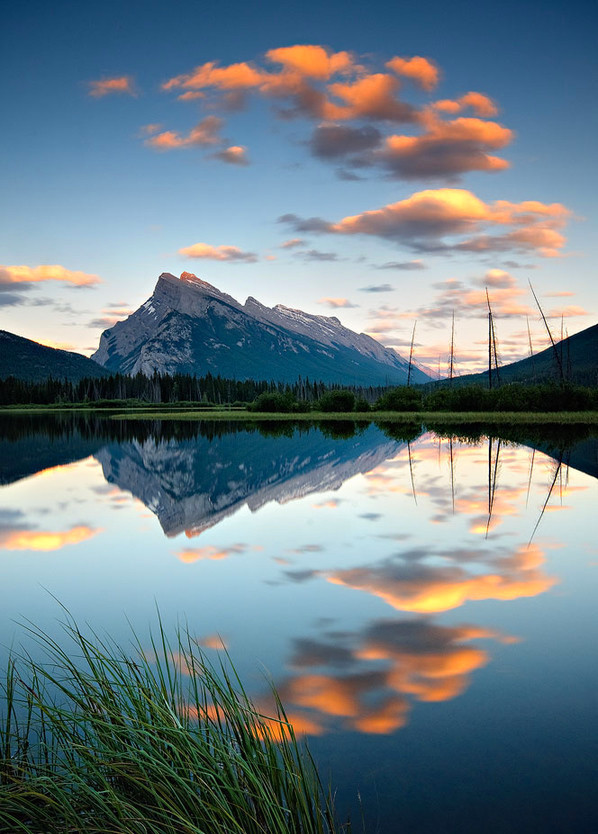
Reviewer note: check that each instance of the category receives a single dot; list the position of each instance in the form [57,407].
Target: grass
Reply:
[93,740]
[496,417]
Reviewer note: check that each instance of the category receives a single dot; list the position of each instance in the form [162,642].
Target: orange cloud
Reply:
[446,149]
[426,217]
[301,66]
[311,61]
[36,274]
[559,294]
[108,86]
[372,96]
[45,540]
[568,312]
[235,155]
[310,80]
[421,70]
[481,104]
[234,77]
[191,95]
[336,303]
[218,253]
[203,134]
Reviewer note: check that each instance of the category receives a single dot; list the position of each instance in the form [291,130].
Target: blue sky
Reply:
[110,178]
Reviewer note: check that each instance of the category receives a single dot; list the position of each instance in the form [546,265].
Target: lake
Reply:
[425,602]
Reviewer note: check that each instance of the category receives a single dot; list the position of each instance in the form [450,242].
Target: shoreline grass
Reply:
[239,414]
[99,739]
[509,417]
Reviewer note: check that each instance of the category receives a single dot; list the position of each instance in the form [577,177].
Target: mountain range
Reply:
[189,326]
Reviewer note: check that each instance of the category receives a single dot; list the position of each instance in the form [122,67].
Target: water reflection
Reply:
[192,485]
[373,674]
[423,599]
[434,524]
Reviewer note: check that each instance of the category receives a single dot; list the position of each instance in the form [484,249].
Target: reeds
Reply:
[157,739]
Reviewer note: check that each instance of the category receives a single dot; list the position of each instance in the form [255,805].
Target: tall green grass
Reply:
[98,739]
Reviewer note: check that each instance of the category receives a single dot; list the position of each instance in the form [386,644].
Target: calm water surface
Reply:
[425,605]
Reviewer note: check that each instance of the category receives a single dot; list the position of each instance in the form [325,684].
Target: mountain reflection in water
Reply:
[395,581]
[192,485]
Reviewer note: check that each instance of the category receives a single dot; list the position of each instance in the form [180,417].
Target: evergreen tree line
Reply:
[206,391]
[516,397]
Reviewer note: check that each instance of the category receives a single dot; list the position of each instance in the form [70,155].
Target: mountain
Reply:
[578,355]
[32,362]
[189,326]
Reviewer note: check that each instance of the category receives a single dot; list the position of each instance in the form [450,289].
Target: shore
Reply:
[462,417]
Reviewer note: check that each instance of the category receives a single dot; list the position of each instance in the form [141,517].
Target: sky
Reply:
[385,163]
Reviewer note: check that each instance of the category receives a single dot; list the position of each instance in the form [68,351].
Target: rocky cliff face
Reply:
[189,326]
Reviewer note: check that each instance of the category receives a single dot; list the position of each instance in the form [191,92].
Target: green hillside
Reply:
[578,355]
[32,362]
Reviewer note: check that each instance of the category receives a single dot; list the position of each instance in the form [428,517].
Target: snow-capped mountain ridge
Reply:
[190,326]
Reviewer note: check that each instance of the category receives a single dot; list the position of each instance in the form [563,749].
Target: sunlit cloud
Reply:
[24,275]
[218,253]
[235,155]
[421,70]
[311,61]
[335,89]
[110,86]
[46,540]
[191,95]
[293,243]
[204,134]
[425,219]
[305,77]
[337,303]
[369,97]
[481,104]
[445,149]
[568,312]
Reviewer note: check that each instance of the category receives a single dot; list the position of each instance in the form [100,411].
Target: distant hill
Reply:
[188,326]
[578,355]
[32,362]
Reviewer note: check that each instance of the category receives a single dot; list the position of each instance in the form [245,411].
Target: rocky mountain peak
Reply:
[190,326]
[192,279]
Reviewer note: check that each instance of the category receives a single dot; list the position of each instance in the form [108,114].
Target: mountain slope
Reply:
[189,326]
[578,355]
[32,362]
